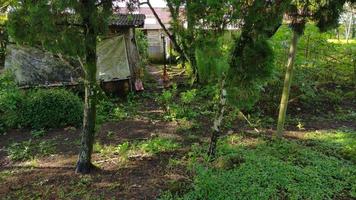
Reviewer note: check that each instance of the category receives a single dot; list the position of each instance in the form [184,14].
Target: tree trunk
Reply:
[287,85]
[217,122]
[84,164]
[354,61]
[190,39]
[307,47]
[348,29]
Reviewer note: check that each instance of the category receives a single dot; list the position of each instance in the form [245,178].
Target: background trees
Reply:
[194,23]
[326,15]
[251,60]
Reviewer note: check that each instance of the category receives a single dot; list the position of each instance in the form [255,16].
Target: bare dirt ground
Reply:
[140,178]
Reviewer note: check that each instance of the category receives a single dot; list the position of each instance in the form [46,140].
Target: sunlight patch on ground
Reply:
[342,41]
[342,141]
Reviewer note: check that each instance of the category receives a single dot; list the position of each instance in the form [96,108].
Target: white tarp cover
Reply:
[112,59]
[33,66]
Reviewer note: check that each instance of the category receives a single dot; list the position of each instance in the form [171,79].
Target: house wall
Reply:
[155,45]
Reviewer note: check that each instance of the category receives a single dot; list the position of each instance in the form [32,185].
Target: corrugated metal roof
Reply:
[128,20]
[151,21]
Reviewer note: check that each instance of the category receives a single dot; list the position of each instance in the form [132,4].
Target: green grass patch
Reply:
[339,143]
[27,150]
[148,147]
[4,175]
[254,168]
[158,145]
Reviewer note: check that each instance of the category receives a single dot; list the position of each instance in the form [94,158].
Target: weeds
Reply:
[26,150]
[259,169]
[133,149]
[38,133]
[335,143]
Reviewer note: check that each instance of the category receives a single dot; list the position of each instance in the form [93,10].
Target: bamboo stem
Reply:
[287,85]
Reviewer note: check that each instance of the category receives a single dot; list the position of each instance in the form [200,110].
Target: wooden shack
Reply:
[118,60]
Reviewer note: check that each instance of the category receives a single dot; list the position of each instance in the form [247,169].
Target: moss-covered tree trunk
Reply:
[84,164]
[287,84]
[218,121]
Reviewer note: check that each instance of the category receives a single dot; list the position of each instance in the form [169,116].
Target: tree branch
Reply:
[101,3]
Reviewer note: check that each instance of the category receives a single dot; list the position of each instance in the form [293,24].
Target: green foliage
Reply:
[3,39]
[179,106]
[213,58]
[166,98]
[328,14]
[104,109]
[260,169]
[127,149]
[123,148]
[142,45]
[41,28]
[200,16]
[38,133]
[340,143]
[52,27]
[38,109]
[10,99]
[157,145]
[258,54]
[251,62]
[52,109]
[188,96]
[252,69]
[112,110]
[323,73]
[119,114]
[252,57]
[27,150]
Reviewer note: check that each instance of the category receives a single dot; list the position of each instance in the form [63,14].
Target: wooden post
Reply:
[165,73]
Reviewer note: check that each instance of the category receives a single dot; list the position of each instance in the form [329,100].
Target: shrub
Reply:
[108,110]
[188,96]
[36,109]
[52,109]
[142,44]
[104,109]
[10,99]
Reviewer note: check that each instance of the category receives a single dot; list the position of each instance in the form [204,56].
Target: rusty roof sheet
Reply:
[128,20]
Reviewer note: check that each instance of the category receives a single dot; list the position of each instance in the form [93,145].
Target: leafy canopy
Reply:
[58,25]
[251,61]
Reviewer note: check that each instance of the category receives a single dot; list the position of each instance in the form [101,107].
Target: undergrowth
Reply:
[144,148]
[255,168]
[30,149]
